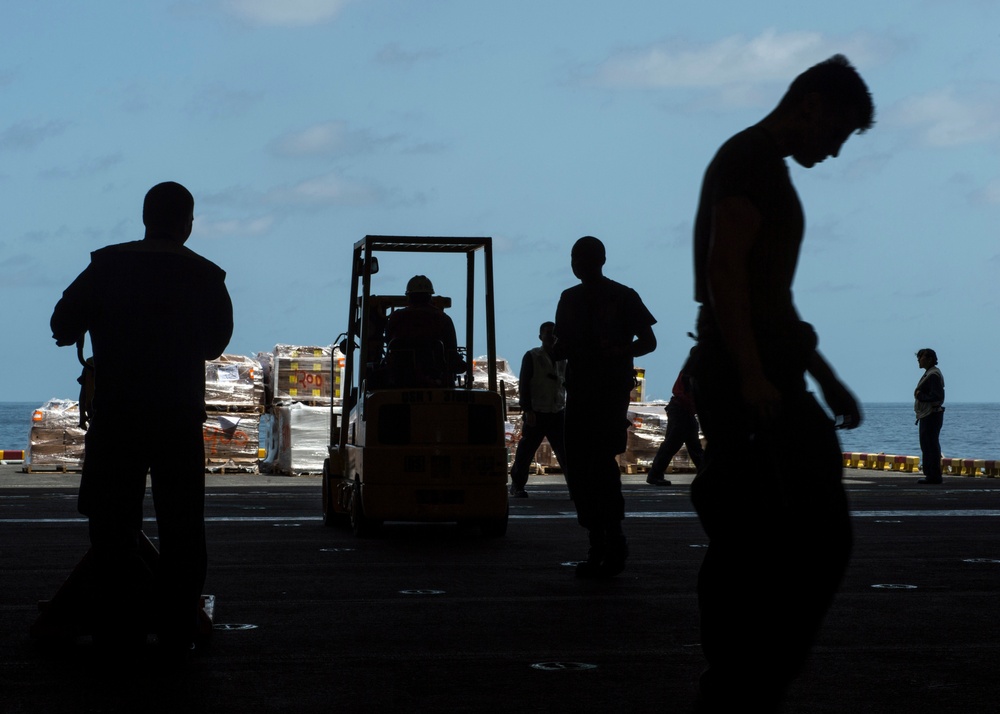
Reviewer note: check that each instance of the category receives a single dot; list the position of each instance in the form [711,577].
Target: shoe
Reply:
[657,481]
[604,561]
[938,482]
[518,492]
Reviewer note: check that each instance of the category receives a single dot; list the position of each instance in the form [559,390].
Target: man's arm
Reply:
[524,388]
[735,225]
[70,319]
[218,323]
[524,381]
[932,389]
[644,343]
[837,396]
[560,350]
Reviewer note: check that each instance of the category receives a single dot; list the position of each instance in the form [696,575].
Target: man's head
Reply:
[546,334]
[927,358]
[587,259]
[419,290]
[827,103]
[168,212]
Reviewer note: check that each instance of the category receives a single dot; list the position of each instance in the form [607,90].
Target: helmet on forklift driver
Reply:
[419,284]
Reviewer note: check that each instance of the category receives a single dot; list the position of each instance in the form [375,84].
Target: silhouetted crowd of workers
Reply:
[779,541]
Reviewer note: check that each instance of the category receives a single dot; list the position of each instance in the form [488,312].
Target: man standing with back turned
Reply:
[156,311]
[779,532]
[600,326]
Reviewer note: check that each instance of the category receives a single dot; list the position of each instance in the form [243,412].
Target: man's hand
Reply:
[66,342]
[529,418]
[843,404]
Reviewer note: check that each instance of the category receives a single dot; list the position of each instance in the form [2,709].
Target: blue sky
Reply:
[302,125]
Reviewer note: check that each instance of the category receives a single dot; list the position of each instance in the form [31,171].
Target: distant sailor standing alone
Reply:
[928,401]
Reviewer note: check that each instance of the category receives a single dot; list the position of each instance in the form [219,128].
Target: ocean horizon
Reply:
[971,429]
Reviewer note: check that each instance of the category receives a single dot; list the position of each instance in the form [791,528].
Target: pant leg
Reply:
[178,480]
[672,441]
[555,432]
[531,439]
[930,445]
[596,432]
[780,540]
[112,489]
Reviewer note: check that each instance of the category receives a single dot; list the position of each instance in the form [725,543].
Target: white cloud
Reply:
[769,57]
[946,119]
[327,190]
[326,138]
[286,13]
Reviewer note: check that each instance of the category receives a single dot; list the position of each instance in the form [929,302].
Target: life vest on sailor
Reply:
[548,383]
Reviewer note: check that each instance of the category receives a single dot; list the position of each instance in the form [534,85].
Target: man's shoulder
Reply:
[124,251]
[571,291]
[616,288]
[745,147]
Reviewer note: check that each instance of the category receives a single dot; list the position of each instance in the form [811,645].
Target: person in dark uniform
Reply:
[427,334]
[156,311]
[600,326]
[928,401]
[682,429]
[542,395]
[779,536]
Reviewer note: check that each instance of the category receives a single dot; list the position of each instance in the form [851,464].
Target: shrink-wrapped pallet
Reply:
[302,438]
[232,441]
[306,375]
[645,434]
[234,383]
[56,439]
[480,378]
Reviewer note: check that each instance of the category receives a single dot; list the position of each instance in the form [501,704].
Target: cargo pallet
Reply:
[51,468]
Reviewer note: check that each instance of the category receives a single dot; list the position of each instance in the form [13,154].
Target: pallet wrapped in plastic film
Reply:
[300,440]
[232,441]
[305,375]
[645,434]
[480,379]
[234,383]
[56,439]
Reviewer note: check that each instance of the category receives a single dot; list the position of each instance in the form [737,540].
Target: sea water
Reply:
[971,431]
[15,424]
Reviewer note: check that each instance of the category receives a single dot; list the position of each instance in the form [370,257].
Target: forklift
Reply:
[412,450]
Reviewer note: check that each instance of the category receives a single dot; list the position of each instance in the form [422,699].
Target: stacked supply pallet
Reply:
[234,401]
[305,383]
[646,432]
[56,439]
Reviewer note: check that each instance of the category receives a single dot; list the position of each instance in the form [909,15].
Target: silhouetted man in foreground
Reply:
[769,495]
[600,326]
[156,311]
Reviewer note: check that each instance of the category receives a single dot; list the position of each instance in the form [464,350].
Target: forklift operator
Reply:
[420,327]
